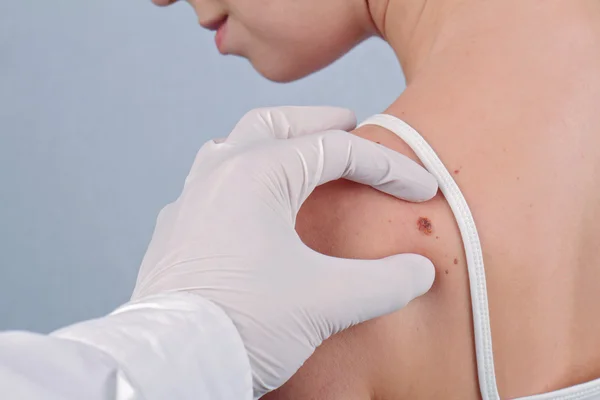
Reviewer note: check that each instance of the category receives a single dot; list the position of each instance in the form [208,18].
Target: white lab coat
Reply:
[172,346]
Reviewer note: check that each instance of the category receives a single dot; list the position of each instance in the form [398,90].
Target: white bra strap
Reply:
[470,238]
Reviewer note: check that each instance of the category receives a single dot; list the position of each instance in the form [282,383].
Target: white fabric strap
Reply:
[585,391]
[475,267]
[468,232]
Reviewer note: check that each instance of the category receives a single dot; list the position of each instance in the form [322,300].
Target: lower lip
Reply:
[220,37]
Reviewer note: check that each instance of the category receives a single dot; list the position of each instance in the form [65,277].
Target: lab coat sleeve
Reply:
[171,346]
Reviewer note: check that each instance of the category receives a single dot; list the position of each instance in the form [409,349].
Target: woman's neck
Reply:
[421,30]
[413,27]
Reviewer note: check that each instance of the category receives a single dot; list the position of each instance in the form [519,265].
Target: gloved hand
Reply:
[230,236]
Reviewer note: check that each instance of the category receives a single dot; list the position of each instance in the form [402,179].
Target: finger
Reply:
[359,290]
[338,154]
[288,122]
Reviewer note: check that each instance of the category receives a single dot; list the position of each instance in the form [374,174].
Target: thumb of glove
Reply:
[359,290]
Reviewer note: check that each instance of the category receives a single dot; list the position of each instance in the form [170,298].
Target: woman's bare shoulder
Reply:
[378,359]
[345,219]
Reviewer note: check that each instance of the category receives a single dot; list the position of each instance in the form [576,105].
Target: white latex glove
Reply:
[230,236]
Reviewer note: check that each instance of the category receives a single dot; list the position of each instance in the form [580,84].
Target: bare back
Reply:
[514,114]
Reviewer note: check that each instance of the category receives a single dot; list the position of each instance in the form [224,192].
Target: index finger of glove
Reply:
[337,154]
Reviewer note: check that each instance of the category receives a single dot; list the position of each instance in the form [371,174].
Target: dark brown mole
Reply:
[378,142]
[456,261]
[446,271]
[424,225]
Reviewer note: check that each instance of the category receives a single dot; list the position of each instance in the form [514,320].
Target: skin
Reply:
[283,39]
[507,93]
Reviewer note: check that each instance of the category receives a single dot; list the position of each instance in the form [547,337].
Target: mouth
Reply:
[219,25]
[215,23]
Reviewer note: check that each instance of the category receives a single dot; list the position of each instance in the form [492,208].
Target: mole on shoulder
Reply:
[424,225]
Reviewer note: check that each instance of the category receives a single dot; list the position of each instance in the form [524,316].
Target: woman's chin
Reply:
[280,75]
[282,72]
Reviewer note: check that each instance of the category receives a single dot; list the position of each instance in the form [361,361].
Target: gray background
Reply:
[103,105]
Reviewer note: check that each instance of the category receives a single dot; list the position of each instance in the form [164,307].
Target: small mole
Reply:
[389,220]
[446,271]
[457,171]
[437,237]
[456,261]
[424,225]
[378,142]
[518,178]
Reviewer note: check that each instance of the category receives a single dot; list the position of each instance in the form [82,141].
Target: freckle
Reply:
[531,205]
[504,149]
[518,178]
[437,237]
[446,271]
[456,261]
[424,225]
[389,220]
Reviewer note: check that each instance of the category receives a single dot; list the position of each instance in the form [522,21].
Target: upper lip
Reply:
[215,23]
